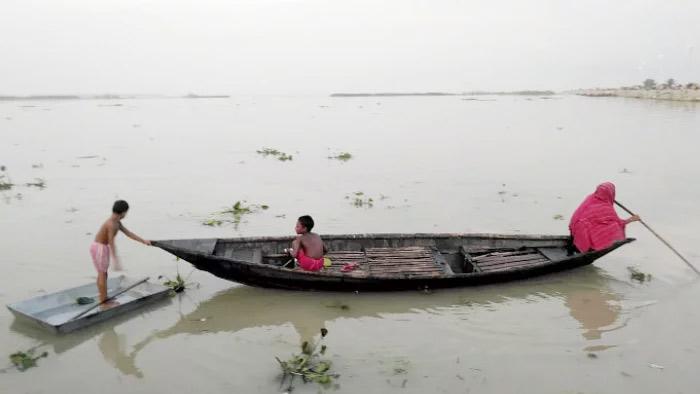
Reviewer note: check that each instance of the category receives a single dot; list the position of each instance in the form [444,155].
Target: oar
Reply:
[108,298]
[660,238]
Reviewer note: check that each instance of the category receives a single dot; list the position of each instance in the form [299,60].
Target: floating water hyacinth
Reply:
[25,360]
[281,156]
[308,365]
[343,156]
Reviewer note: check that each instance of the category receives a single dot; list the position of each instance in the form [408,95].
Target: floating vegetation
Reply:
[558,217]
[212,222]
[343,156]
[234,214]
[239,209]
[25,360]
[359,200]
[38,182]
[308,365]
[281,156]
[177,285]
[638,275]
[5,182]
[84,300]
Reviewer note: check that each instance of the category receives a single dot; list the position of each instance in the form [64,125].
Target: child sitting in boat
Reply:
[308,247]
[103,246]
[595,224]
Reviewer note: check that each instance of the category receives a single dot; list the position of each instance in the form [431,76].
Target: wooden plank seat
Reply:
[507,259]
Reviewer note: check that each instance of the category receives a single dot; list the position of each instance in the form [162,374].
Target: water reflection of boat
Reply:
[586,294]
[387,262]
[111,344]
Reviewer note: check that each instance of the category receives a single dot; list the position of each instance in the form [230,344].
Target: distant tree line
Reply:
[650,84]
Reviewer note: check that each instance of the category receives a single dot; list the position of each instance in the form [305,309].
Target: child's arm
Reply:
[133,236]
[296,244]
[112,246]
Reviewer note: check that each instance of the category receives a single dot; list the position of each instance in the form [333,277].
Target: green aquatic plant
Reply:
[281,156]
[212,222]
[38,182]
[177,285]
[308,364]
[25,360]
[5,182]
[343,156]
[638,275]
[234,214]
[359,200]
[239,208]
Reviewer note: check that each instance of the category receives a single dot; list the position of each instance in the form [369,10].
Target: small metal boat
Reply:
[61,312]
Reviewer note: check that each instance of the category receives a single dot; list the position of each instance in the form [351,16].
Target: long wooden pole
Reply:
[661,239]
[108,298]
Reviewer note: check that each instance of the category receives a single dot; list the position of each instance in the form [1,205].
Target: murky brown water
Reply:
[443,164]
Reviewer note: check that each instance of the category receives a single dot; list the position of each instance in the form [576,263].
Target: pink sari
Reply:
[595,224]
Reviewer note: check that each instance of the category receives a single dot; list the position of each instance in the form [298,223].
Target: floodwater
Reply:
[501,164]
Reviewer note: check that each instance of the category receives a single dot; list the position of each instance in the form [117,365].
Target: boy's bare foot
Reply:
[109,304]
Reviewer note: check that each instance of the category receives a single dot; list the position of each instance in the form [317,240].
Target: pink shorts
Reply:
[307,263]
[100,256]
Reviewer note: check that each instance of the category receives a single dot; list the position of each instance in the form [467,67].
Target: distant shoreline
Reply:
[679,94]
[430,94]
[104,97]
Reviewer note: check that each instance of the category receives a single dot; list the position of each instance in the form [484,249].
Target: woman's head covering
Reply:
[605,192]
[595,224]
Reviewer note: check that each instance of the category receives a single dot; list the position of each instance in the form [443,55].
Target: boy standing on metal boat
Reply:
[307,247]
[103,246]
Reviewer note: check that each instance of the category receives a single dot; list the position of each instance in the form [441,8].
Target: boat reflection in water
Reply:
[586,292]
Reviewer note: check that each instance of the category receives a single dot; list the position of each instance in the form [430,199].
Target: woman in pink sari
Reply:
[595,224]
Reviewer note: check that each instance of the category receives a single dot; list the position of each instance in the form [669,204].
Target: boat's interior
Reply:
[400,256]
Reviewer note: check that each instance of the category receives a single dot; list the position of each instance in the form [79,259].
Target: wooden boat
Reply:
[57,311]
[386,261]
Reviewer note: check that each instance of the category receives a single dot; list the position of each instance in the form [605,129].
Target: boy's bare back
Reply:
[312,245]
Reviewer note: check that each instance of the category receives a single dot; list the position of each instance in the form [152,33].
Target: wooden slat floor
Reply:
[413,261]
[504,260]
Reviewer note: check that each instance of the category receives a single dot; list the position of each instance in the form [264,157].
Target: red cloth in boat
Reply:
[595,224]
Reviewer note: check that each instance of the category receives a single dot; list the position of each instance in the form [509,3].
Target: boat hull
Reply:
[202,254]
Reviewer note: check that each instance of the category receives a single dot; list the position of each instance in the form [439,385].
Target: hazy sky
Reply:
[324,46]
